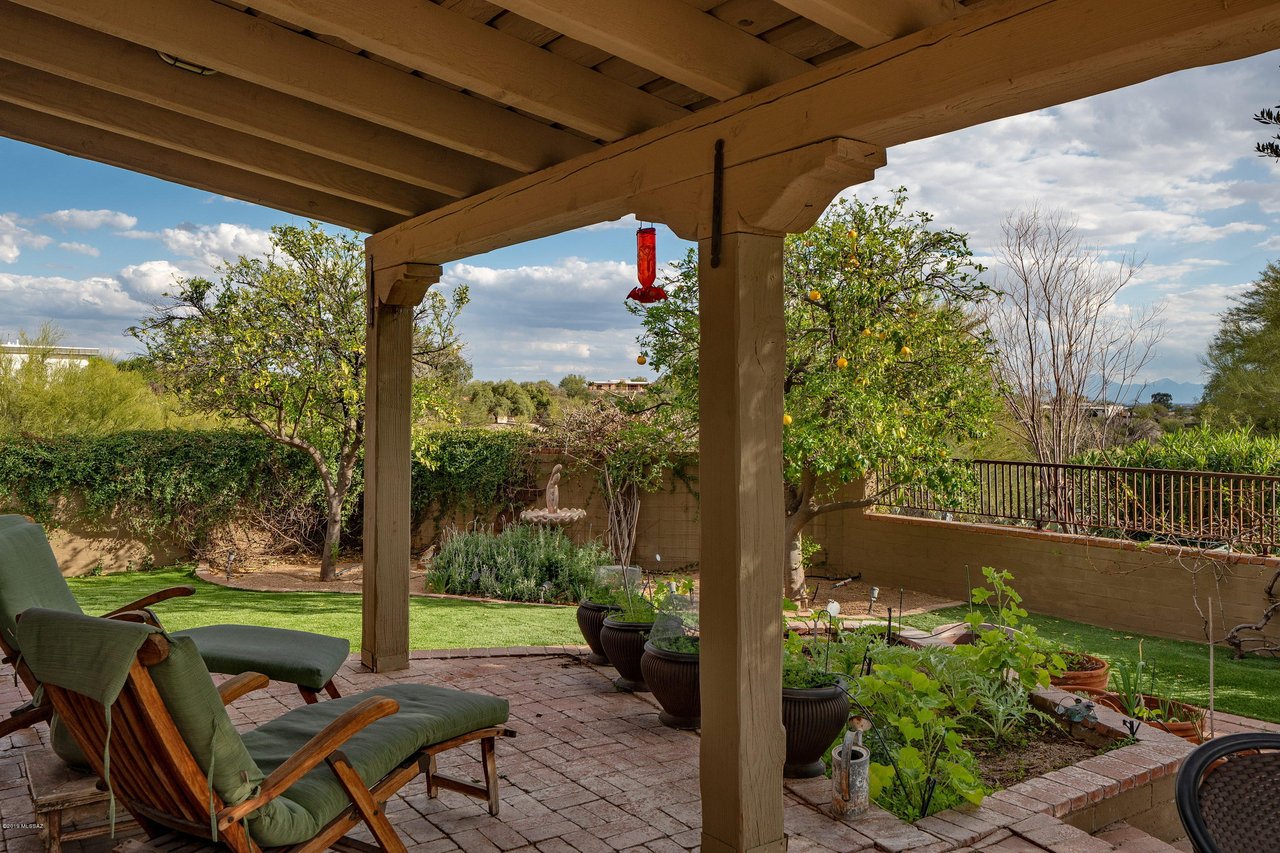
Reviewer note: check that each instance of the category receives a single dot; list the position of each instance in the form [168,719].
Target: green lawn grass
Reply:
[1250,687]
[433,623]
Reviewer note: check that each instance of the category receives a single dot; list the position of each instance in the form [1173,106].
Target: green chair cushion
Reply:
[29,577]
[297,657]
[428,715]
[11,520]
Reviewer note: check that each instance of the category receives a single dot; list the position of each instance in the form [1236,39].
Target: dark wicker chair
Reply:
[1228,794]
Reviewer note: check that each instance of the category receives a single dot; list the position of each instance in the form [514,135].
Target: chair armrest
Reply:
[26,717]
[313,752]
[246,682]
[154,598]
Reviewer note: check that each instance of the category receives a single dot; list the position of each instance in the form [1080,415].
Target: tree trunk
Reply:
[332,536]
[797,590]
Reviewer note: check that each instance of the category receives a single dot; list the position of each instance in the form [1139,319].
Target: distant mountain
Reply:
[1184,393]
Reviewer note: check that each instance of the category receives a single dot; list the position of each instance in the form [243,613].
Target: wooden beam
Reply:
[872,22]
[466,53]
[740,367]
[670,38]
[92,143]
[58,96]
[269,55]
[111,64]
[387,462]
[997,60]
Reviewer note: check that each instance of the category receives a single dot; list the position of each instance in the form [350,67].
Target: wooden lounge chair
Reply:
[1228,794]
[142,707]
[30,577]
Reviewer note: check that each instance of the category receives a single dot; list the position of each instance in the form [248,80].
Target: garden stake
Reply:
[1211,721]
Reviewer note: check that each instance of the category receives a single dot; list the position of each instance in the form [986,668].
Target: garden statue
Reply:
[553,489]
[553,515]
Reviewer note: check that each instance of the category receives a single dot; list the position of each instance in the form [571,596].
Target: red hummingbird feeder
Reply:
[647,268]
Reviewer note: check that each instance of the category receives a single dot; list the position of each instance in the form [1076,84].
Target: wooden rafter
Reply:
[997,60]
[111,64]
[873,22]
[268,55]
[73,101]
[670,38]
[478,58]
[93,143]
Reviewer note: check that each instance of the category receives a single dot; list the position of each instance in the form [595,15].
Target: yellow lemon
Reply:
[905,351]
[786,420]
[853,233]
[842,362]
[866,333]
[641,360]
[854,262]
[814,295]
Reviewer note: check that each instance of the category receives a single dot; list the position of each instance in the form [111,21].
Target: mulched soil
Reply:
[1047,748]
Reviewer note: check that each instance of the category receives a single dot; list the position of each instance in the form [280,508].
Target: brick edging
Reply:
[500,652]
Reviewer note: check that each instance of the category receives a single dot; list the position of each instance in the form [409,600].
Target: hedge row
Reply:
[186,484]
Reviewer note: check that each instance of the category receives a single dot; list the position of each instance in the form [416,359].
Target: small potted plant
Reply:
[815,705]
[623,635]
[1082,670]
[1139,696]
[597,603]
[670,663]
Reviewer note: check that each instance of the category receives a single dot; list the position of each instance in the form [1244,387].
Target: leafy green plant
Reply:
[683,644]
[1000,645]
[919,763]
[522,563]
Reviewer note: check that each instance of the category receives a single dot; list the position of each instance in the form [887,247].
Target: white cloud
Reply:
[14,238]
[209,245]
[87,220]
[80,249]
[152,279]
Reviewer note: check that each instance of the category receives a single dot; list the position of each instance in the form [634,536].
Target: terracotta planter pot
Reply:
[1095,677]
[1192,730]
[590,621]
[673,678]
[623,644]
[813,718]
[1098,697]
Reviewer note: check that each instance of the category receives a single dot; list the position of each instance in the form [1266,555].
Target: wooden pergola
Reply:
[454,127]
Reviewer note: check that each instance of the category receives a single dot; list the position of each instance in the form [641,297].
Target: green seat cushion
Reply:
[29,577]
[11,520]
[297,657]
[428,715]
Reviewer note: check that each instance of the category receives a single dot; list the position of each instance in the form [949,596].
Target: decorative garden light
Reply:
[875,594]
[647,268]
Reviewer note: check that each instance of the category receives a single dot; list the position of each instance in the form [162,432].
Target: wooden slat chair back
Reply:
[152,771]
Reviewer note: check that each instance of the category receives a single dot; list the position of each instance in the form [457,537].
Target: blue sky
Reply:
[1164,169]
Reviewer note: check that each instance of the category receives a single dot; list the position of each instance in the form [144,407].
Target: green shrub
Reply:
[478,470]
[522,563]
[1238,451]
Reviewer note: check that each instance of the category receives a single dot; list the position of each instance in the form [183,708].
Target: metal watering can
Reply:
[850,764]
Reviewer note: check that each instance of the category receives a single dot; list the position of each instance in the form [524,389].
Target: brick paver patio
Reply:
[591,771]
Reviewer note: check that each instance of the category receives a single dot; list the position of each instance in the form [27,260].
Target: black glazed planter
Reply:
[813,718]
[590,620]
[673,678]
[623,644]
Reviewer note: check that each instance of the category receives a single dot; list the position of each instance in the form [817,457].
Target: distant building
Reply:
[17,354]
[619,386]
[1106,411]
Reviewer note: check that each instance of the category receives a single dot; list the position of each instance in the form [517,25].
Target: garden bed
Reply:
[1047,748]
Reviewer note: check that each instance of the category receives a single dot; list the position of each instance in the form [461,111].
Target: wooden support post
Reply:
[741,365]
[393,294]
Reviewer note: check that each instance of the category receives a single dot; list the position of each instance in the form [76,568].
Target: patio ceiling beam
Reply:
[92,143]
[114,65]
[670,38]
[269,55]
[999,59]
[466,53]
[873,22]
[58,96]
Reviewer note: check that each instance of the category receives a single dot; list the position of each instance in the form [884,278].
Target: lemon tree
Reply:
[278,342]
[887,367]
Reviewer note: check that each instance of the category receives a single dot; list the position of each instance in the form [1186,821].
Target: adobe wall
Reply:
[1112,583]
